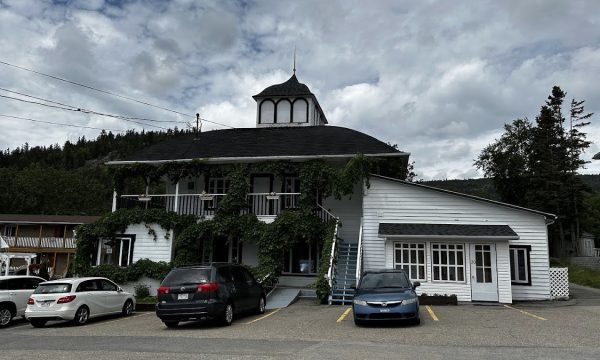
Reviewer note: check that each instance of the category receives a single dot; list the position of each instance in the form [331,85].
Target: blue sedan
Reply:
[385,295]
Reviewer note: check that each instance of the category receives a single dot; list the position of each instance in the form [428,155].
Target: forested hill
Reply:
[485,187]
[70,179]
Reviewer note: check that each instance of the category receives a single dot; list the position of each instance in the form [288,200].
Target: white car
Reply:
[14,292]
[77,300]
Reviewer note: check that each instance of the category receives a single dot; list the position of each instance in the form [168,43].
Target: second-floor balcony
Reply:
[265,205]
[40,243]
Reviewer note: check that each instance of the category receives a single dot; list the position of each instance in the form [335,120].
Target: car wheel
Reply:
[6,316]
[81,316]
[358,322]
[37,323]
[227,317]
[260,309]
[417,321]
[127,308]
[171,324]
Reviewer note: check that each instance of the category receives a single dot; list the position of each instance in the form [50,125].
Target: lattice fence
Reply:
[559,283]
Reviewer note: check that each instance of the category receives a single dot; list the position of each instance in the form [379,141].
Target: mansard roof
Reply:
[292,87]
[272,143]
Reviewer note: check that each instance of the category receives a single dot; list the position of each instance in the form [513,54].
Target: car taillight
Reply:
[207,287]
[163,290]
[66,299]
[30,301]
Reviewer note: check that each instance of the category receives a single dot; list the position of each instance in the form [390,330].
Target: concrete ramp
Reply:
[281,297]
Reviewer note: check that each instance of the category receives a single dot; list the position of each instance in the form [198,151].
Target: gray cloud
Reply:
[437,78]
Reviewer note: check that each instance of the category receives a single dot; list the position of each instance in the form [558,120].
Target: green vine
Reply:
[319,179]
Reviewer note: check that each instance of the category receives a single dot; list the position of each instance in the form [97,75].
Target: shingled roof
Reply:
[292,87]
[447,230]
[264,143]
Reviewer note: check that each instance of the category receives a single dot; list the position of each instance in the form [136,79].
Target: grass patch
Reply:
[146,300]
[580,275]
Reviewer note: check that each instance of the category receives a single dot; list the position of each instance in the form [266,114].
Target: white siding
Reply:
[146,247]
[389,201]
[348,209]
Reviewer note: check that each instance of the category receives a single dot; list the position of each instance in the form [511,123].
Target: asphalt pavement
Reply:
[306,330]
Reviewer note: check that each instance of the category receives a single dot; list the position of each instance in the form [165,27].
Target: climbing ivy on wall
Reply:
[318,179]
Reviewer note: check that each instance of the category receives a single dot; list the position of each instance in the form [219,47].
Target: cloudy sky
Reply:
[438,78]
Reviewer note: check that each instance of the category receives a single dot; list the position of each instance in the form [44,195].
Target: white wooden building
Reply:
[477,249]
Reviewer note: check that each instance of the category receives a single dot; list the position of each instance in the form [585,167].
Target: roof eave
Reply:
[256,158]
[449,237]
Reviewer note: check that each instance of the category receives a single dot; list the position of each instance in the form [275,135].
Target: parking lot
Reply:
[305,329]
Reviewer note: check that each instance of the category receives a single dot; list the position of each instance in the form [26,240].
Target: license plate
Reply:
[384,310]
[182,296]
[45,303]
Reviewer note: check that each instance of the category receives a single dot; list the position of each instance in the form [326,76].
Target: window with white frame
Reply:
[519,265]
[410,257]
[448,262]
[118,251]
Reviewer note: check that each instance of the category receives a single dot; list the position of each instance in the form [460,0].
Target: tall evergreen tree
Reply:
[536,166]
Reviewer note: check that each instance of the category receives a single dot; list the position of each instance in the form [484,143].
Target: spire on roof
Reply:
[294,59]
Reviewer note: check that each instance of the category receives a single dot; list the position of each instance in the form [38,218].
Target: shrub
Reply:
[142,290]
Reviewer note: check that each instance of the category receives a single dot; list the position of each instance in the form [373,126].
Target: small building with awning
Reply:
[456,244]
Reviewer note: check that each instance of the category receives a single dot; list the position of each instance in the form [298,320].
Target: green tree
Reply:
[536,166]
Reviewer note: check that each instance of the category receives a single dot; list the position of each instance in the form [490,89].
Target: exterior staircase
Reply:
[345,274]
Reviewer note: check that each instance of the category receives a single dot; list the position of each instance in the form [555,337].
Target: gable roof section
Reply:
[250,144]
[447,231]
[548,216]
[46,219]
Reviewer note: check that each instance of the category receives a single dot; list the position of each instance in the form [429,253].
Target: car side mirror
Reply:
[119,289]
[416,284]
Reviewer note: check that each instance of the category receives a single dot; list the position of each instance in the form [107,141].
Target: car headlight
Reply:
[360,302]
[409,301]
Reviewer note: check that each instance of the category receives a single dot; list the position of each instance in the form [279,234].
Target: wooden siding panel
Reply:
[387,201]
[146,247]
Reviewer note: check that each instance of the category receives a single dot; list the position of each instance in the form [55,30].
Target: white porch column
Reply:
[176,204]
[114,204]
[28,261]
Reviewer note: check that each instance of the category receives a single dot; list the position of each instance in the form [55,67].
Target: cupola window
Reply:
[267,112]
[300,113]
[284,111]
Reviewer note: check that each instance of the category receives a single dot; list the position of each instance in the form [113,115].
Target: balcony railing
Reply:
[205,205]
[44,242]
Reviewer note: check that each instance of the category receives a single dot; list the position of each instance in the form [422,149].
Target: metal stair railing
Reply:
[360,251]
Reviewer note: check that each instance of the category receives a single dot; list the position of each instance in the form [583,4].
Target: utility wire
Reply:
[62,124]
[81,111]
[109,93]
[86,110]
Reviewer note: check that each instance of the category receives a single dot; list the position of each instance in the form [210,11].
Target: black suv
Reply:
[212,291]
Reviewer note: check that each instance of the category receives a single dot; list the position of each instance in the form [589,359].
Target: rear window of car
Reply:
[383,280]
[56,288]
[187,276]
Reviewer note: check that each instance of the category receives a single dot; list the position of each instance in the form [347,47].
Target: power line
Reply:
[109,93]
[86,110]
[81,111]
[62,124]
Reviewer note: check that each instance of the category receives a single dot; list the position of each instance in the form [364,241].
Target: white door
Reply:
[260,204]
[484,277]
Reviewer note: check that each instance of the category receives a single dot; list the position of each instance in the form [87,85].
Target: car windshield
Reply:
[56,288]
[187,277]
[384,280]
